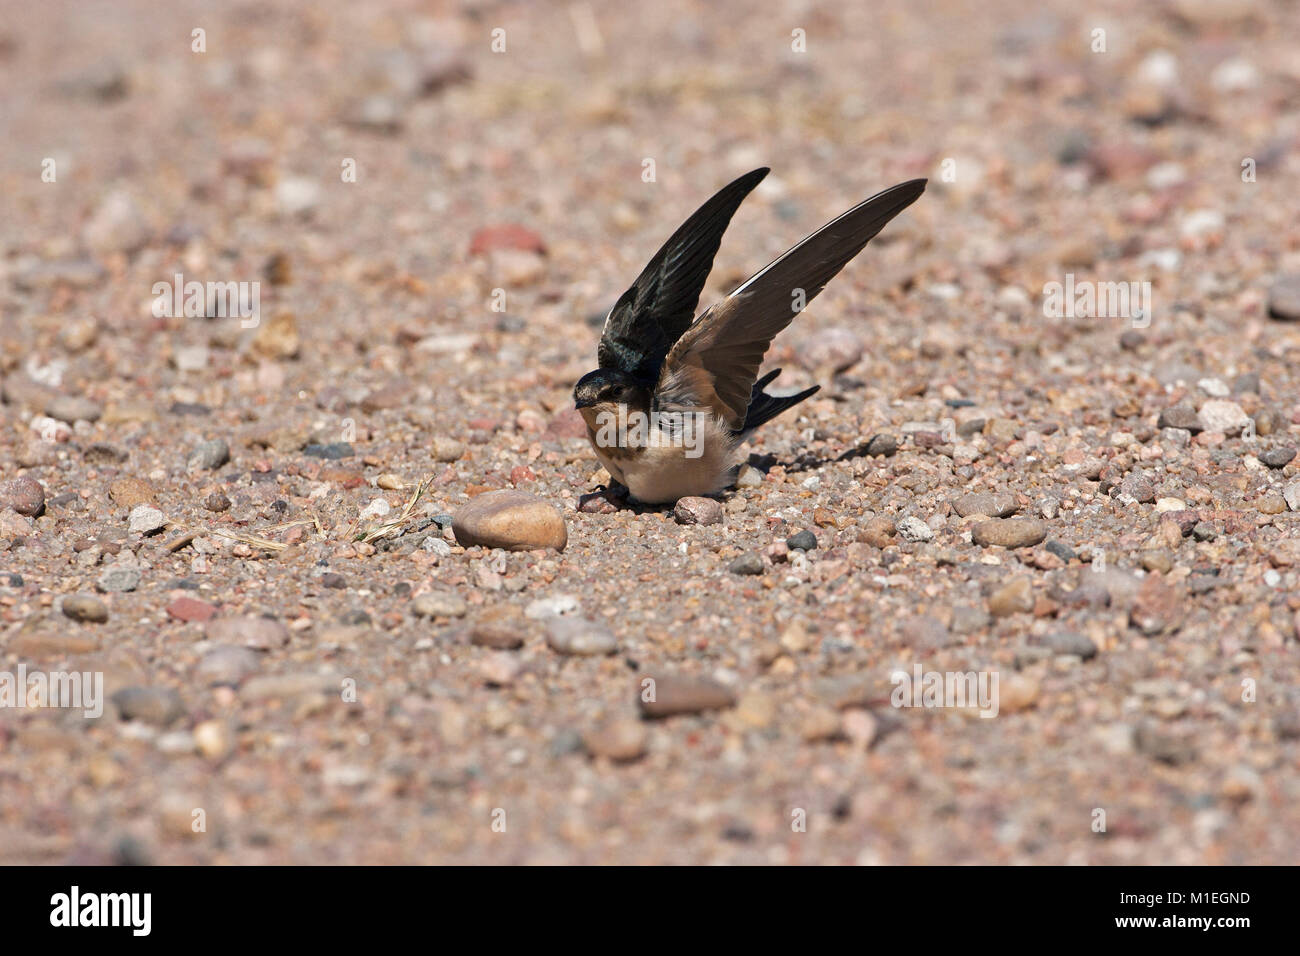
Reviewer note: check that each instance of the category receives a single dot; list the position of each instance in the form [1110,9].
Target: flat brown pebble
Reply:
[1009,532]
[85,607]
[989,504]
[131,492]
[502,629]
[512,520]
[672,694]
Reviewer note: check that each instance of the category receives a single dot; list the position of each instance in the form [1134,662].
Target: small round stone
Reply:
[619,740]
[86,608]
[23,494]
[692,510]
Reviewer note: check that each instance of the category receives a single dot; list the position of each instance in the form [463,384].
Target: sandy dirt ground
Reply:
[243,523]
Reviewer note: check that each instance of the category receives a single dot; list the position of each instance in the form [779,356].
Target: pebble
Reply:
[878,532]
[680,694]
[119,577]
[216,502]
[1071,642]
[24,495]
[331,452]
[208,455]
[500,669]
[1220,415]
[254,631]
[128,492]
[501,628]
[912,528]
[820,723]
[152,705]
[882,446]
[1156,609]
[1017,692]
[191,609]
[439,604]
[1292,495]
[802,541]
[620,740]
[1181,416]
[86,608]
[448,449]
[693,510]
[554,606]
[1015,597]
[146,519]
[989,504]
[1278,457]
[1284,297]
[72,408]
[213,739]
[1009,532]
[579,637]
[227,664]
[513,520]
[747,563]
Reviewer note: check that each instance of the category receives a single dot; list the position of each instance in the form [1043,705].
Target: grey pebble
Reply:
[803,540]
[747,563]
[209,455]
[152,705]
[1278,457]
[119,577]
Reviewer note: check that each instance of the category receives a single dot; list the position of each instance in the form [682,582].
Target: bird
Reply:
[674,396]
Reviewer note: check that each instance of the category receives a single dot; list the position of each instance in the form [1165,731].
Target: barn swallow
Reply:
[674,398]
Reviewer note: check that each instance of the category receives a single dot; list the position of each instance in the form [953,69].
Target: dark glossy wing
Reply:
[716,360]
[653,314]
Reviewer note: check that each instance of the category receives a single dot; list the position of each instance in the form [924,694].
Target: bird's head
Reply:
[605,387]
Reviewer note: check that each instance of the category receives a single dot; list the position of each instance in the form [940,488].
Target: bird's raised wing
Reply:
[716,360]
[649,317]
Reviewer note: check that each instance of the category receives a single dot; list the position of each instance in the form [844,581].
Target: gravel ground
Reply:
[250,529]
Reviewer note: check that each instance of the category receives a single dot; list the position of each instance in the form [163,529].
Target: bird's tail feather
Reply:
[764,407]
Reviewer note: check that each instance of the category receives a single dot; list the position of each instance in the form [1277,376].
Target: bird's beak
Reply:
[583,402]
